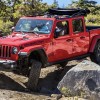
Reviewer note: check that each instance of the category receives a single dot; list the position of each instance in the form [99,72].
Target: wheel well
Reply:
[38,55]
[96,44]
[92,48]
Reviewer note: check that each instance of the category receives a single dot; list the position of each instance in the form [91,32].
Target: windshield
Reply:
[34,25]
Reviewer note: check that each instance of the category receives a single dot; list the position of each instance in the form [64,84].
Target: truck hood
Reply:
[21,39]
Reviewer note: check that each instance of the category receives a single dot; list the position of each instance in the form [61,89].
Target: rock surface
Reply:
[83,79]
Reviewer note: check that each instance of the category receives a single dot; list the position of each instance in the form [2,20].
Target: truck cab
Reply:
[73,40]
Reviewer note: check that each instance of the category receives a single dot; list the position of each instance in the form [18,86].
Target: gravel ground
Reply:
[13,86]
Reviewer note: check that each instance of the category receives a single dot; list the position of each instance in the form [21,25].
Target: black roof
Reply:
[68,12]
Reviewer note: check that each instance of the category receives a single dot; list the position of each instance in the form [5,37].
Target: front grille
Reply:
[5,51]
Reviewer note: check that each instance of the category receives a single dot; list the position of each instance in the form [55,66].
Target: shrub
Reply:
[6,27]
[93,19]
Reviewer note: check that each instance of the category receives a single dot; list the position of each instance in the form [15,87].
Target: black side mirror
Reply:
[56,34]
[12,29]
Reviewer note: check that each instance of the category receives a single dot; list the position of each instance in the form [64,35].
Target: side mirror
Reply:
[12,29]
[56,34]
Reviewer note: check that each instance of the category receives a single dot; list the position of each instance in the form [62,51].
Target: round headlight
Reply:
[14,50]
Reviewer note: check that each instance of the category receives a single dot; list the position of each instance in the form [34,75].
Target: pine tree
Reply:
[56,3]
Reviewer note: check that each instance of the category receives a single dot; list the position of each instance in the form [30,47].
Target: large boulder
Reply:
[83,79]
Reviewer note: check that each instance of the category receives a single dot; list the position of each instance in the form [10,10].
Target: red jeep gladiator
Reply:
[55,38]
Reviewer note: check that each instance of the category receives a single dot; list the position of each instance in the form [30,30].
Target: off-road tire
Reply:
[95,56]
[34,75]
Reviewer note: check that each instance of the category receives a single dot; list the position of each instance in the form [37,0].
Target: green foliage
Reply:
[93,20]
[65,91]
[18,8]
[84,3]
[28,8]
[6,26]
[55,3]
[89,4]
[94,17]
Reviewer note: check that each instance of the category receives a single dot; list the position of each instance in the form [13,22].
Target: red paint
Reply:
[67,46]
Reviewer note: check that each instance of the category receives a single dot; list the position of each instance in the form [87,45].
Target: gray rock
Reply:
[83,79]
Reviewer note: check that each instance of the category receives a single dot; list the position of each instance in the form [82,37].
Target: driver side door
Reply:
[62,44]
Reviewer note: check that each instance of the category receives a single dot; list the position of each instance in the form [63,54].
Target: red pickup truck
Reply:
[55,38]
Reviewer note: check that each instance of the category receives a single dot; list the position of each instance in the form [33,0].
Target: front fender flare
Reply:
[26,52]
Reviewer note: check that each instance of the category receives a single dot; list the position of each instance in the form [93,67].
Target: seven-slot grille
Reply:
[5,51]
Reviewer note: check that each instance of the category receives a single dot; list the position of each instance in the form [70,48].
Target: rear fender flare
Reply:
[93,43]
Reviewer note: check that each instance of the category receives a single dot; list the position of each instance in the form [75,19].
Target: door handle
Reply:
[69,40]
[82,37]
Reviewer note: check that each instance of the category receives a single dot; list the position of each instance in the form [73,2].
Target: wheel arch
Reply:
[39,55]
[93,44]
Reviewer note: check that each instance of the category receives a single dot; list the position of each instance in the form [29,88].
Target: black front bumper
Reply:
[8,64]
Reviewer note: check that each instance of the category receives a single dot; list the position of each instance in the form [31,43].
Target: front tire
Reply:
[95,56]
[34,75]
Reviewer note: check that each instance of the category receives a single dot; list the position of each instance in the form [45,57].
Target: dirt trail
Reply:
[13,86]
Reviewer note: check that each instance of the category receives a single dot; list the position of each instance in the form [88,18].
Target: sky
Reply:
[63,3]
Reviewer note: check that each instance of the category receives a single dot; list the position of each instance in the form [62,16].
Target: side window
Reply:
[62,27]
[78,26]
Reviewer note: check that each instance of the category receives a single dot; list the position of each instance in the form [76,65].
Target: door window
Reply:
[78,26]
[62,28]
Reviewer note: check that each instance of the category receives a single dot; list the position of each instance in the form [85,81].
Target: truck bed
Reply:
[92,27]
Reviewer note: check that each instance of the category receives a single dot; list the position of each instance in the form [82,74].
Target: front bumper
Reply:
[8,64]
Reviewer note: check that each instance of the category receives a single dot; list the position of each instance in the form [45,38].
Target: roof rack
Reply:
[68,12]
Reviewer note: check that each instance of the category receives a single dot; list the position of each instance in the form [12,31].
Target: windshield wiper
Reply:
[22,32]
[36,33]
